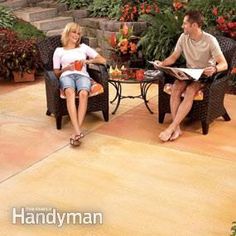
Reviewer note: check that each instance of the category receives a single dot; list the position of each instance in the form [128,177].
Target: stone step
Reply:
[32,14]
[54,32]
[51,24]
[15,4]
[61,7]
[46,4]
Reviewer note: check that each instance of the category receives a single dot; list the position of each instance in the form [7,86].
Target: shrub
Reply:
[162,34]
[17,54]
[108,8]
[25,30]
[233,229]
[219,15]
[75,4]
[6,18]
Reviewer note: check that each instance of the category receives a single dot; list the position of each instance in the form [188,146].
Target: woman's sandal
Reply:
[76,140]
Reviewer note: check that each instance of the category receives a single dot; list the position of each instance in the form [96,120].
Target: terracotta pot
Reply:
[23,76]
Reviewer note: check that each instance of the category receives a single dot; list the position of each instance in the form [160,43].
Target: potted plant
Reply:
[18,56]
[124,46]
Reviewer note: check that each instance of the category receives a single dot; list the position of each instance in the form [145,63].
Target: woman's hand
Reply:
[71,66]
[209,71]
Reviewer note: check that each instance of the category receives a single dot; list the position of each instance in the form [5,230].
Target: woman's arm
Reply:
[98,59]
[58,72]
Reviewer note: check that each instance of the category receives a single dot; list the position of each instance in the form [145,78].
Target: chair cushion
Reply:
[96,89]
[198,96]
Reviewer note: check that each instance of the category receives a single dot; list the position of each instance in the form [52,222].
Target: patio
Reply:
[141,185]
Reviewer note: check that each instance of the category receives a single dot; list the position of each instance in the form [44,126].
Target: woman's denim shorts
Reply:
[76,81]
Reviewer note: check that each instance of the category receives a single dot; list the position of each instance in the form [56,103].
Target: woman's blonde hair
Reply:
[72,26]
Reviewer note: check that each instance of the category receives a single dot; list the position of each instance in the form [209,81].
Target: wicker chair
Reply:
[212,105]
[57,105]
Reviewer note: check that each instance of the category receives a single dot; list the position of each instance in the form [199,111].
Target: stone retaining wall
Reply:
[98,30]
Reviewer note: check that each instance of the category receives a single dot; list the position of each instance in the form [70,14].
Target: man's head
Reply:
[193,21]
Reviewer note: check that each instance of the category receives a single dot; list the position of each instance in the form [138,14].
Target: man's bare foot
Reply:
[166,134]
[176,134]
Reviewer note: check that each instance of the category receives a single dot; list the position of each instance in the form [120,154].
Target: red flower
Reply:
[233,70]
[215,11]
[148,9]
[231,25]
[220,20]
[178,5]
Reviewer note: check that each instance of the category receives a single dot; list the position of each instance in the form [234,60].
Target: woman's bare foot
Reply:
[176,134]
[166,134]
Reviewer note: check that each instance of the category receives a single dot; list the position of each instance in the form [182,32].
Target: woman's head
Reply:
[71,34]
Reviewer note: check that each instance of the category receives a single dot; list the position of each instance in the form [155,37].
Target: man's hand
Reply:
[159,63]
[209,71]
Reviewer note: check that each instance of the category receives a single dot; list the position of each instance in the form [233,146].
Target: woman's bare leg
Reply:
[83,103]
[71,107]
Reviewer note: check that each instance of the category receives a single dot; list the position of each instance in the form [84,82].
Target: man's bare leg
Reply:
[175,101]
[184,108]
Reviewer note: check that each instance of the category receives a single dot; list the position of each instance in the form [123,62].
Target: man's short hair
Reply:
[195,17]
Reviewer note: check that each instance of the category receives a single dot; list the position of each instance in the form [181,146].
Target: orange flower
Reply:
[125,30]
[112,40]
[124,46]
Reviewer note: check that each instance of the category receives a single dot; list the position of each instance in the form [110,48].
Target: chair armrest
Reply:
[99,73]
[52,83]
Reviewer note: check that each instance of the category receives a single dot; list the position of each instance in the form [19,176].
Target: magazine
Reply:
[180,73]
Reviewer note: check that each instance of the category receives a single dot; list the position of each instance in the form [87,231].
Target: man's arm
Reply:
[169,60]
[221,65]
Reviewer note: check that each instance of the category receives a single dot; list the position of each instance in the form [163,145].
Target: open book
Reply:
[180,73]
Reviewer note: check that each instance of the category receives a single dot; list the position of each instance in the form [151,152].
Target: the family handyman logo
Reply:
[52,216]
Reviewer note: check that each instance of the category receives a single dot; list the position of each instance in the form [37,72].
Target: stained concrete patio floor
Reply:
[142,186]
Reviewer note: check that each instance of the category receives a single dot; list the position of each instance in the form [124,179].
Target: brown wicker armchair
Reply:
[212,106]
[57,105]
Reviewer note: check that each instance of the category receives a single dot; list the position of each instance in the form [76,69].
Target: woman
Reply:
[73,81]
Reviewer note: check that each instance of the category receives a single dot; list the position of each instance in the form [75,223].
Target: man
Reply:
[201,50]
